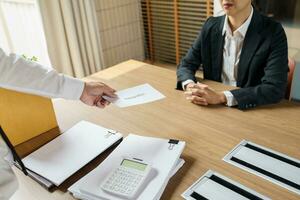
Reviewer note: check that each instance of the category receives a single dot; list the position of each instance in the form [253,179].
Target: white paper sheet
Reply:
[180,163]
[66,154]
[136,95]
[154,150]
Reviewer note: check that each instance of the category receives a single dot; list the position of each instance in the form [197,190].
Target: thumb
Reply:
[109,92]
[202,86]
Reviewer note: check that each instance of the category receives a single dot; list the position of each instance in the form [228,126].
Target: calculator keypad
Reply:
[123,181]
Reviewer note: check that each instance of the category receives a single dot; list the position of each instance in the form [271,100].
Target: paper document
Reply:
[136,95]
[66,154]
[162,155]
[180,163]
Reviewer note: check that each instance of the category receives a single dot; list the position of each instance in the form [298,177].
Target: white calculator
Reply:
[127,178]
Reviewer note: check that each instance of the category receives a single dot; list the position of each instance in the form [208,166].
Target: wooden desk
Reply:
[210,132]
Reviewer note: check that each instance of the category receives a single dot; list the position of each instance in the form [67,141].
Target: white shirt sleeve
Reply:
[8,181]
[21,75]
[185,83]
[231,101]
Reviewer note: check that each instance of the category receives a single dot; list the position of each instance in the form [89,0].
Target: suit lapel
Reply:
[217,42]
[251,42]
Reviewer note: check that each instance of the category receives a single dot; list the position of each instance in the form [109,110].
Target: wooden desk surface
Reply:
[210,132]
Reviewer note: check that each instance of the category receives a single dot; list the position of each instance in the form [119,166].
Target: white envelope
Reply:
[136,95]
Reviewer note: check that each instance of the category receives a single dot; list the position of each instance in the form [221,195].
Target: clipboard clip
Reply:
[172,143]
[110,132]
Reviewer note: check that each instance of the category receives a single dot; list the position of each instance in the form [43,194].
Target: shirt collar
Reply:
[242,29]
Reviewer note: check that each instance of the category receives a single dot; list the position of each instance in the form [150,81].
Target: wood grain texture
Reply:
[210,132]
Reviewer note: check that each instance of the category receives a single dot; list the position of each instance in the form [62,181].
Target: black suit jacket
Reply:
[263,66]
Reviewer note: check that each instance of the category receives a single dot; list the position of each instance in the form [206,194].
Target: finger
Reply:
[188,93]
[198,92]
[195,98]
[195,92]
[190,85]
[100,105]
[202,103]
[90,103]
[109,92]
[104,102]
[188,88]
[99,88]
[198,100]
[98,98]
[110,88]
[201,86]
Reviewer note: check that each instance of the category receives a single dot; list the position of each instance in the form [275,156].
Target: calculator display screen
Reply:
[133,164]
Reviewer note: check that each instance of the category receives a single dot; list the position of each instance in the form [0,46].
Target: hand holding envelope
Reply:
[136,95]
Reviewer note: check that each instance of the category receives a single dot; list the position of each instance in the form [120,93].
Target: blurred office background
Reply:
[80,37]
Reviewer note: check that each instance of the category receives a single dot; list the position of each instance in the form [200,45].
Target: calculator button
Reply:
[123,182]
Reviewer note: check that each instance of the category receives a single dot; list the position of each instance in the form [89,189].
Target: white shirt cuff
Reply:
[73,88]
[231,101]
[185,83]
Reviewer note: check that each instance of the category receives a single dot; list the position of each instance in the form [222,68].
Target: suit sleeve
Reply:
[21,75]
[192,61]
[274,82]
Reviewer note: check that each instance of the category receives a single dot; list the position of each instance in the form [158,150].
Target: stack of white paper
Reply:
[66,154]
[165,161]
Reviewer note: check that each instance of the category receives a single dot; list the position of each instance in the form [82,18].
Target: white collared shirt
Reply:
[231,56]
[232,50]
